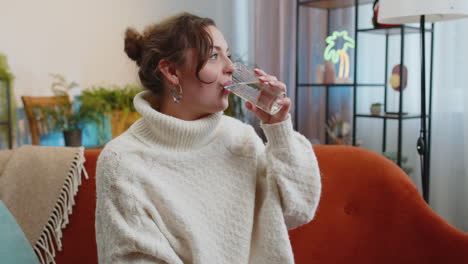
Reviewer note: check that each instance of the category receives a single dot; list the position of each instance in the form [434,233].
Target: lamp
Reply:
[413,11]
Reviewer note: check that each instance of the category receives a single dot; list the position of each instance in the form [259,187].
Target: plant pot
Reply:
[121,121]
[376,110]
[72,138]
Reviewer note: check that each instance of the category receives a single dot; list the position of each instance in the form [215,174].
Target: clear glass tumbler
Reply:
[247,86]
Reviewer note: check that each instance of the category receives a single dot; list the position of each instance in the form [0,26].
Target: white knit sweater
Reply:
[204,191]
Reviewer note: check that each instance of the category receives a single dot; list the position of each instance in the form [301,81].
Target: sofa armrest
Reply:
[371,212]
[79,238]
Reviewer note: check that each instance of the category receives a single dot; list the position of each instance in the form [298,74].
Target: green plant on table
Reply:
[60,86]
[66,116]
[235,108]
[112,98]
[6,81]
[108,99]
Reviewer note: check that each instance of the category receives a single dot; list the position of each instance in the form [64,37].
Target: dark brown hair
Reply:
[170,40]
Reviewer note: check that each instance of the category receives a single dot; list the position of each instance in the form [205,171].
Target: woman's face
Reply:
[207,95]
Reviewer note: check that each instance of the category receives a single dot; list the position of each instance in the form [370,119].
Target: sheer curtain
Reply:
[275,39]
[274,44]
[449,149]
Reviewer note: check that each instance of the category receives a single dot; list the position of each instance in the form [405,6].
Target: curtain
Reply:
[449,142]
[274,44]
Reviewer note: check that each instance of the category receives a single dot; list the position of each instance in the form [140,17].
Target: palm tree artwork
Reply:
[334,54]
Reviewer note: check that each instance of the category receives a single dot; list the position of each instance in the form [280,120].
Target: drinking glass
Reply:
[247,86]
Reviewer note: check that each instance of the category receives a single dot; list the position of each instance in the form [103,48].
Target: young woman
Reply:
[186,184]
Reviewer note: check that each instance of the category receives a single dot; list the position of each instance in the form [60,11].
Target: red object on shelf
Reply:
[376,16]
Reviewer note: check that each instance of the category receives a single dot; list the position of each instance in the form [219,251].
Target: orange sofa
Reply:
[370,212]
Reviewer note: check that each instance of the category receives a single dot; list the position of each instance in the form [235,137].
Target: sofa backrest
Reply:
[369,212]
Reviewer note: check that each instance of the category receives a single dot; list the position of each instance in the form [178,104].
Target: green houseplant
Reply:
[115,102]
[68,118]
[376,109]
[7,77]
[65,116]
[60,85]
[235,108]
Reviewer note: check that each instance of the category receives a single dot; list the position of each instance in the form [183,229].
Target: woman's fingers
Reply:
[260,72]
[262,115]
[279,85]
[268,78]
[264,76]
[273,82]
[265,117]
[286,105]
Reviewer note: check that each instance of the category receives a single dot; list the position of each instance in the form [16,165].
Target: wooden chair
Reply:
[33,115]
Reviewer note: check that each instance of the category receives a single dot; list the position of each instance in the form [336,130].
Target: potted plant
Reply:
[68,118]
[338,130]
[6,80]
[376,109]
[235,108]
[60,86]
[65,116]
[115,102]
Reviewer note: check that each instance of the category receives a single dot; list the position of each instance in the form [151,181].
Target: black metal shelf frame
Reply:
[339,85]
[391,116]
[394,30]
[386,32]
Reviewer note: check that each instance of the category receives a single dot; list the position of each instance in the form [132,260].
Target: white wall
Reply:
[83,40]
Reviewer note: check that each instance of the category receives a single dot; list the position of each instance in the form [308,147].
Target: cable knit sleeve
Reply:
[289,160]
[124,233]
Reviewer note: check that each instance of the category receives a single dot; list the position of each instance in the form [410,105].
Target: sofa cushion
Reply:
[14,247]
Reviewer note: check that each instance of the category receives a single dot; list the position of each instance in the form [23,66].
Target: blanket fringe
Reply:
[51,236]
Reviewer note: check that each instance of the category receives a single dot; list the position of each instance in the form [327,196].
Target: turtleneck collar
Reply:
[163,130]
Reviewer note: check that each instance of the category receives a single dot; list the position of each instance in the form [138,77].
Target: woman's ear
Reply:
[168,69]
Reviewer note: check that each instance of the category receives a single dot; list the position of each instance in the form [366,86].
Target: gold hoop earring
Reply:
[177,98]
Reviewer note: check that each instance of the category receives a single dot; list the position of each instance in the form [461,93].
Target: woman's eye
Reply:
[214,56]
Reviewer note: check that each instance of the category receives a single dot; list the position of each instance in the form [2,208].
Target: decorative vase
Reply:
[329,72]
[375,17]
[319,73]
[394,80]
[72,138]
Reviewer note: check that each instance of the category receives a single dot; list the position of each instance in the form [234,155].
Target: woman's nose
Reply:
[230,68]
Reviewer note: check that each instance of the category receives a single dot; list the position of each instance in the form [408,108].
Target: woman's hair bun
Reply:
[133,44]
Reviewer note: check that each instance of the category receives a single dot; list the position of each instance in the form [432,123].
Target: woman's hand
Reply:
[285,102]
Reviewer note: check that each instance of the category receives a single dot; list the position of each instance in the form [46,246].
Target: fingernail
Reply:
[262,78]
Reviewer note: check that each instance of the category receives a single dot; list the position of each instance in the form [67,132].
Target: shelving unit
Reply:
[325,5]
[8,121]
[387,32]
[357,87]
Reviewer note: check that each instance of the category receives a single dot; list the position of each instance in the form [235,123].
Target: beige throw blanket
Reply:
[38,185]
